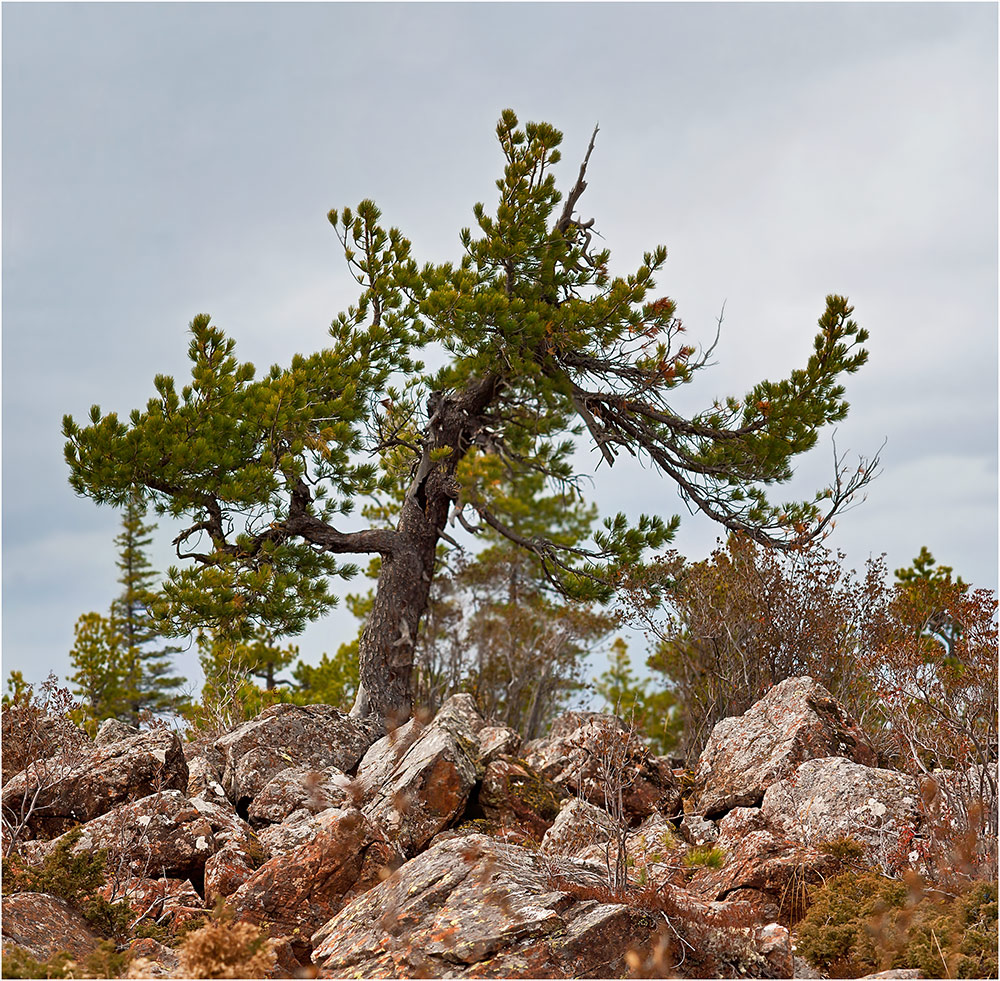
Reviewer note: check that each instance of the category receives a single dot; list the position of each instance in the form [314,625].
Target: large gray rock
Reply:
[56,793]
[577,827]
[286,736]
[496,741]
[599,757]
[296,789]
[296,892]
[164,834]
[476,907]
[834,798]
[43,925]
[796,720]
[417,782]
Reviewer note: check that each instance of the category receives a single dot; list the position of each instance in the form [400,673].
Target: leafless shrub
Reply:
[225,949]
[38,740]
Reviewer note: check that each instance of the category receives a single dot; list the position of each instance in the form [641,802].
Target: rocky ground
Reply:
[451,850]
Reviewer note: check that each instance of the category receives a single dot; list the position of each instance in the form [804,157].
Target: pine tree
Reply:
[542,346]
[121,670]
[650,706]
[102,676]
[146,664]
[929,586]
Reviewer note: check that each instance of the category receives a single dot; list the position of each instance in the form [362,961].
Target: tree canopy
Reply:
[541,346]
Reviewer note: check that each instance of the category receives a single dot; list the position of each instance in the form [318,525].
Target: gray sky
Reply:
[165,160]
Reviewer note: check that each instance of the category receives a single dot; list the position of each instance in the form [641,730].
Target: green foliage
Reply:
[151,686]
[860,924]
[17,688]
[543,346]
[102,673]
[257,656]
[331,682]
[654,711]
[75,878]
[105,961]
[704,856]
[846,850]
[122,672]
[18,963]
[928,589]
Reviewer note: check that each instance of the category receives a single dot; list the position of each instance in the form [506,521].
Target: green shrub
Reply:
[845,850]
[860,924]
[704,856]
[103,962]
[18,963]
[74,878]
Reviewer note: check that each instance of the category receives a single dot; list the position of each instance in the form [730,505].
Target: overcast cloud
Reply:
[165,160]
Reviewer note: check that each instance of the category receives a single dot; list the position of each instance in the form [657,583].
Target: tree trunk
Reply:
[386,647]
[385,651]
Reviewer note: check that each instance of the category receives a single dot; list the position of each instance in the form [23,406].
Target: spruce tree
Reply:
[541,345]
[146,662]
[122,668]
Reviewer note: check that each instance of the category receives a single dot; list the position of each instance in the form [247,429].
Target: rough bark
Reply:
[387,643]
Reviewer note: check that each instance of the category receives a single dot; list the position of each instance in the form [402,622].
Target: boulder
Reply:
[298,828]
[696,830]
[475,907]
[497,741]
[737,823]
[148,958]
[285,736]
[205,780]
[78,786]
[652,844]
[796,720]
[577,827]
[512,795]
[383,756]
[296,892]
[114,731]
[164,834]
[600,753]
[461,718]
[228,869]
[296,789]
[44,925]
[759,861]
[831,798]
[420,792]
[774,942]
[286,964]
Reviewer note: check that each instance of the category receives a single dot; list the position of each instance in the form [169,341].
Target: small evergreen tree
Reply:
[150,685]
[102,677]
[928,585]
[122,671]
[652,708]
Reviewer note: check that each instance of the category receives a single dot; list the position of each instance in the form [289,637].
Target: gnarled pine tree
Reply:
[542,344]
